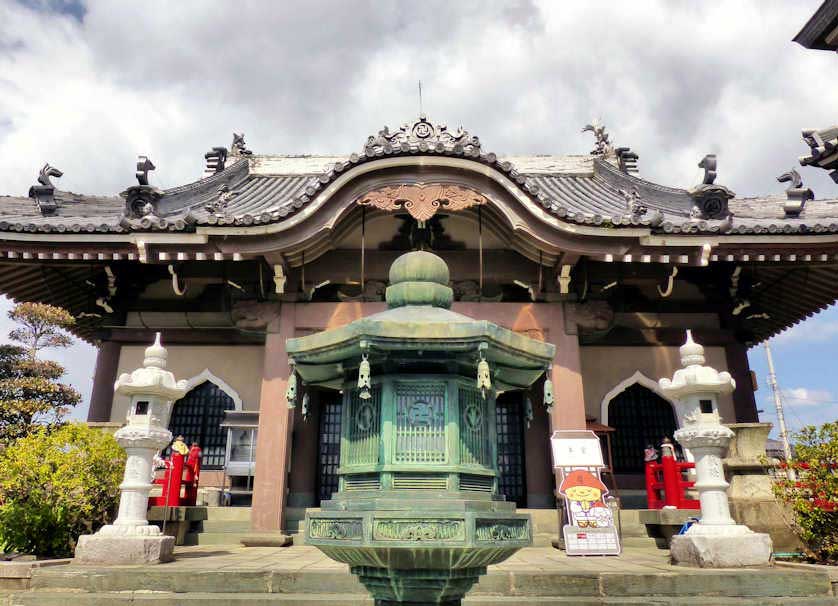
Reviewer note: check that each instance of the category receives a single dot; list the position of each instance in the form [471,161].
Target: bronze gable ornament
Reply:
[422,200]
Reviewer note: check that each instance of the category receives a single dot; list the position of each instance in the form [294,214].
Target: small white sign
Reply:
[591,541]
[576,449]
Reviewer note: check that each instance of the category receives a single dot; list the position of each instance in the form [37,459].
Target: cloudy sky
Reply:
[88,85]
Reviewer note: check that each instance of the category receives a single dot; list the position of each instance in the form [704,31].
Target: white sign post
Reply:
[577,456]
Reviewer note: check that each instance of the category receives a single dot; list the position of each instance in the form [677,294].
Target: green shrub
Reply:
[812,493]
[57,484]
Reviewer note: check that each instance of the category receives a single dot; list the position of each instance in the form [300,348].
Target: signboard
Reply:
[577,456]
[576,449]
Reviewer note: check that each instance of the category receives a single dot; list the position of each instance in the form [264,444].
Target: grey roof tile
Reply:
[265,189]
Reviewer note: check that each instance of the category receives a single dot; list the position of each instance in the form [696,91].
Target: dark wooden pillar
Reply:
[273,451]
[744,403]
[302,479]
[539,470]
[104,376]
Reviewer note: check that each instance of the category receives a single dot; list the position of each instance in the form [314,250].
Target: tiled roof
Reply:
[587,190]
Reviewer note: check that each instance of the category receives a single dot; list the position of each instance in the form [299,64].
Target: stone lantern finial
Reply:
[156,355]
[692,353]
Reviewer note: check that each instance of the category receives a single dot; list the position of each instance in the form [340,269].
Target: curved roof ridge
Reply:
[603,165]
[219,176]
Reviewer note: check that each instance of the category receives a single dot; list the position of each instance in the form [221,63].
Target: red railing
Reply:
[666,484]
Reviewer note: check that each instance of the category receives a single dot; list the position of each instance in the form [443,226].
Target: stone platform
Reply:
[296,576]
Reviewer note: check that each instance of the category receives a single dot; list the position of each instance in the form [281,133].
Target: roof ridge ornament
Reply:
[144,165]
[238,146]
[44,192]
[421,135]
[708,163]
[710,201]
[218,206]
[215,161]
[796,194]
[823,149]
[141,200]
[633,202]
[603,146]
[627,160]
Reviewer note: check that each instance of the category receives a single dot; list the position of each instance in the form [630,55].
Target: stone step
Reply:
[214,538]
[543,520]
[41,598]
[225,526]
[229,514]
[645,541]
[634,531]
[750,583]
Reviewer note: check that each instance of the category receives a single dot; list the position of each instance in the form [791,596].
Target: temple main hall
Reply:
[575,250]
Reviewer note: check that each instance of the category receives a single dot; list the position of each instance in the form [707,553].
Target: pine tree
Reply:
[30,391]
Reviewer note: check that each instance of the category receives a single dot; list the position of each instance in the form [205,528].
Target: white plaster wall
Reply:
[239,366]
[603,368]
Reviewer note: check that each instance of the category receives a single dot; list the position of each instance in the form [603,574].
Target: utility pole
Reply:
[778,403]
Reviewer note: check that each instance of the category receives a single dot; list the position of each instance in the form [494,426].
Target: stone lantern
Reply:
[417,515]
[131,539]
[716,541]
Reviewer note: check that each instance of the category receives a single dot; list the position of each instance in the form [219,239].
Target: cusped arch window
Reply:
[198,416]
[640,417]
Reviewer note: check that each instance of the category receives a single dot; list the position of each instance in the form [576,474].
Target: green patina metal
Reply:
[417,515]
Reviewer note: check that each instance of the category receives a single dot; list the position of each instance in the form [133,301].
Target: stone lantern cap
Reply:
[419,331]
[696,378]
[152,379]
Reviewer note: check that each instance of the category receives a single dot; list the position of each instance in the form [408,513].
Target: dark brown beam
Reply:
[182,336]
[670,337]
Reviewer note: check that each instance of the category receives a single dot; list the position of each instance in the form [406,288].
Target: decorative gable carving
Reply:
[422,200]
[421,135]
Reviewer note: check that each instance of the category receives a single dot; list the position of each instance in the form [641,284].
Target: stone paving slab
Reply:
[300,575]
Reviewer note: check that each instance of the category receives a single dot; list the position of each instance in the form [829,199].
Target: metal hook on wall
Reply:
[175,285]
[669,284]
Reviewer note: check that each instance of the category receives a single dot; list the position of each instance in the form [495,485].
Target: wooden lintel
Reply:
[182,336]
[667,337]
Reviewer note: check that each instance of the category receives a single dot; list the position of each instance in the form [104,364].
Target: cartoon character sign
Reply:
[584,492]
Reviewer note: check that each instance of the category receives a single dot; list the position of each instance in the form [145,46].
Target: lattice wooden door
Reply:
[198,416]
[640,417]
[328,445]
[512,480]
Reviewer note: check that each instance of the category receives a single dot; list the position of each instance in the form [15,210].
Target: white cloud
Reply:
[674,81]
[804,396]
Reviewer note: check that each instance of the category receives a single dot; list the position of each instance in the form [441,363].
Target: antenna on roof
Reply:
[420,97]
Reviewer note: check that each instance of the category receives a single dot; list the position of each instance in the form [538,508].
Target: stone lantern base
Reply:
[730,546]
[107,547]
